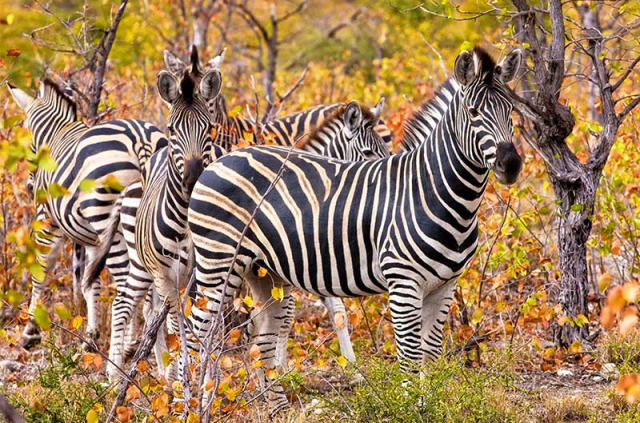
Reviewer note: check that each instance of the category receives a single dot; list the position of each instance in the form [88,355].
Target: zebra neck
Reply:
[446,182]
[176,200]
[50,128]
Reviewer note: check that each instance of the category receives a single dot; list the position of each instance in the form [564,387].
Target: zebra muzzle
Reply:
[508,163]
[192,171]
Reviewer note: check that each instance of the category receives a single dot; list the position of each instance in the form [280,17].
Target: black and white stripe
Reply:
[406,224]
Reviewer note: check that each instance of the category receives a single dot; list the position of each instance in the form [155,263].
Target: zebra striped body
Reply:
[111,154]
[405,224]
[170,255]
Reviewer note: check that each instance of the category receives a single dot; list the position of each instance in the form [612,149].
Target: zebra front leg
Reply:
[168,292]
[405,303]
[435,307]
[267,325]
[336,306]
[48,242]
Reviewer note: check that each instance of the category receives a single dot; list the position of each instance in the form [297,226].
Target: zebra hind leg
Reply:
[78,269]
[48,242]
[91,293]
[335,306]
[267,325]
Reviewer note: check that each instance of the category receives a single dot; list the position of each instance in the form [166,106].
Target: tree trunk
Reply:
[574,227]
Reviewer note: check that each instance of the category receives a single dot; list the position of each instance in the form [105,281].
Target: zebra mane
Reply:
[187,87]
[428,114]
[331,118]
[486,64]
[48,83]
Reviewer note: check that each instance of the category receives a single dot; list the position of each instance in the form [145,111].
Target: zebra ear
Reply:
[377,111]
[216,62]
[352,116]
[465,68]
[173,63]
[210,85]
[23,99]
[508,68]
[168,87]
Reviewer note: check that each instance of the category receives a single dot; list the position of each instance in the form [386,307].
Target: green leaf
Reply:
[13,298]
[44,161]
[87,185]
[10,122]
[526,45]
[37,271]
[113,184]
[62,311]
[577,207]
[56,190]
[41,318]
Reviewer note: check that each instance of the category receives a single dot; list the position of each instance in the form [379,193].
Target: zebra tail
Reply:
[94,268]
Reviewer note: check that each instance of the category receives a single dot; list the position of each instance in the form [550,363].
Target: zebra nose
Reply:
[508,163]
[192,170]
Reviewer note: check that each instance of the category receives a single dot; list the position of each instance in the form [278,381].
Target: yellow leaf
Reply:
[271,373]
[536,343]
[248,301]
[630,292]
[277,293]
[76,322]
[92,416]
[187,308]
[604,281]
[342,362]
[262,272]
[166,358]
[476,316]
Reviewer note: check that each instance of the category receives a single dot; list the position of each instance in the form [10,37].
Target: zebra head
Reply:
[46,113]
[189,124]
[483,123]
[358,138]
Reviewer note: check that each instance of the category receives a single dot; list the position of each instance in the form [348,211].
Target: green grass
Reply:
[450,392]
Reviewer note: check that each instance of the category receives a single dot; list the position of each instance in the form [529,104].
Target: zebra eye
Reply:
[473,111]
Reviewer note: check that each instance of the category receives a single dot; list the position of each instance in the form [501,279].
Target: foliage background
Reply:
[505,301]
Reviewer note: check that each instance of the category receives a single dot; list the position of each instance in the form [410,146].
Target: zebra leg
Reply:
[48,243]
[435,308]
[127,297]
[283,336]
[91,293]
[266,328]
[78,270]
[335,305]
[168,292]
[405,303]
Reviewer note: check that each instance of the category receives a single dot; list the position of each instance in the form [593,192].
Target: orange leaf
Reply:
[254,352]
[124,414]
[187,307]
[13,52]
[226,363]
[607,317]
[133,393]
[173,342]
[234,335]
[628,324]
[143,366]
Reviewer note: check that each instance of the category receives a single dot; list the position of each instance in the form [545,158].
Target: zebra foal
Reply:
[406,224]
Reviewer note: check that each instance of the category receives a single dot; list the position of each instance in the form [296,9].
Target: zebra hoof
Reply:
[89,344]
[30,336]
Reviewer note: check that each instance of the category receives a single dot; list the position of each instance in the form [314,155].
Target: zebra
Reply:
[348,126]
[362,143]
[111,154]
[406,224]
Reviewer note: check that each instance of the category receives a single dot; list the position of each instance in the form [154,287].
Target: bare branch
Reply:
[628,109]
[626,74]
